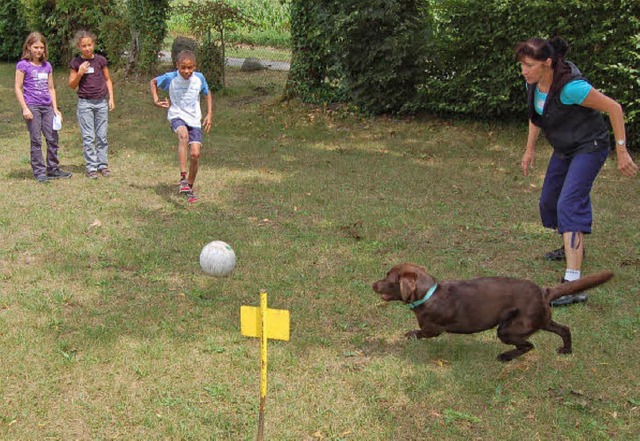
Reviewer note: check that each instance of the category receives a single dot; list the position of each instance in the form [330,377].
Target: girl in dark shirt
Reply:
[90,75]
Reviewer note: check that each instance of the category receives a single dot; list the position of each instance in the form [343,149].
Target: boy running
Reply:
[185,86]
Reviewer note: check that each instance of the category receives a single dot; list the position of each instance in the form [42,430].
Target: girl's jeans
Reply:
[42,124]
[93,118]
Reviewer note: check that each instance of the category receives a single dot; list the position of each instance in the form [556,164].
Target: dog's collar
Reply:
[426,297]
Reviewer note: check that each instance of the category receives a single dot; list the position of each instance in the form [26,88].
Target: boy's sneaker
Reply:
[92,174]
[59,174]
[43,179]
[191,196]
[184,186]
[105,172]
[570,299]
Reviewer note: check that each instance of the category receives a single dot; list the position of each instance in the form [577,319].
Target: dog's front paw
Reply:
[413,334]
[563,350]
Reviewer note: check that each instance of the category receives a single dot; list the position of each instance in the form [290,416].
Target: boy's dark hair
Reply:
[186,55]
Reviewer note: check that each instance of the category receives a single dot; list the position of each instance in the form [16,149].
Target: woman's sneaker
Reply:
[555,255]
[559,255]
[570,299]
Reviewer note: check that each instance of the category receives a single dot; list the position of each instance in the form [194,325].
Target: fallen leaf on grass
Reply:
[96,223]
[354,230]
[440,363]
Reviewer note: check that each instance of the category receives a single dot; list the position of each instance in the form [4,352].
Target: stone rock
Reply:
[182,44]
[252,64]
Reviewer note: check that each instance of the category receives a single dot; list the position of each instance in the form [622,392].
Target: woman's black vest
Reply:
[570,129]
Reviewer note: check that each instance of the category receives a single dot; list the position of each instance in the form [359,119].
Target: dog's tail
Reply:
[577,285]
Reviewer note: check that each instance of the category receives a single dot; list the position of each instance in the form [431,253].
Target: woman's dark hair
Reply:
[542,49]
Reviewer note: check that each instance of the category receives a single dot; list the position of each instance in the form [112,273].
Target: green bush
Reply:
[458,54]
[119,25]
[381,49]
[472,71]
[149,18]
[316,74]
[211,64]
[114,33]
[58,20]
[13,29]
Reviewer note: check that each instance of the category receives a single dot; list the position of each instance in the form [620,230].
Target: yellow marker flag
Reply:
[277,323]
[264,323]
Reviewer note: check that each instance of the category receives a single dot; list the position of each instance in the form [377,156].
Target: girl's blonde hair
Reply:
[34,37]
[83,34]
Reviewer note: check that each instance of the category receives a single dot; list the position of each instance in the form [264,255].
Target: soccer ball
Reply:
[217,258]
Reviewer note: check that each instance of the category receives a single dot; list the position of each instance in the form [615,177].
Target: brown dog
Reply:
[517,307]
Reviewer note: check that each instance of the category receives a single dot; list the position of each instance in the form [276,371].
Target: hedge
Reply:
[455,57]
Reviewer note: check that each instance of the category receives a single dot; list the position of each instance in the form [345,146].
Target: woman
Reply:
[567,109]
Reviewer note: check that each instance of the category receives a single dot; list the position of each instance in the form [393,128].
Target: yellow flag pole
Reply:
[263,364]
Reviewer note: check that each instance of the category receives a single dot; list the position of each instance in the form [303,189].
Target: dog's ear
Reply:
[408,283]
[424,283]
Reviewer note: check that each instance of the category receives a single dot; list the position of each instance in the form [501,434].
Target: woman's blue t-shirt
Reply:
[573,92]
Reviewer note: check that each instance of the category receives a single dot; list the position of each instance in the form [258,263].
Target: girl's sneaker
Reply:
[184,186]
[59,174]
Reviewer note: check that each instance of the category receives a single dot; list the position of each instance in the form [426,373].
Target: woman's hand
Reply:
[527,161]
[626,166]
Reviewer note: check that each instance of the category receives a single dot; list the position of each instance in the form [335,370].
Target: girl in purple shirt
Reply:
[37,96]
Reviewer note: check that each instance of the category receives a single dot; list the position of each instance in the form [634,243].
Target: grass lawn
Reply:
[109,329]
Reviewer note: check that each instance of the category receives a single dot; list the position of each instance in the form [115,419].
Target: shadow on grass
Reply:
[26,172]
[169,193]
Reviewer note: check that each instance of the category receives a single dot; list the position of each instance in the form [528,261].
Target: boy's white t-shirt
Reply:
[184,96]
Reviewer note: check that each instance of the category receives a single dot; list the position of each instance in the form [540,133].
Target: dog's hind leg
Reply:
[564,332]
[507,335]
[521,348]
